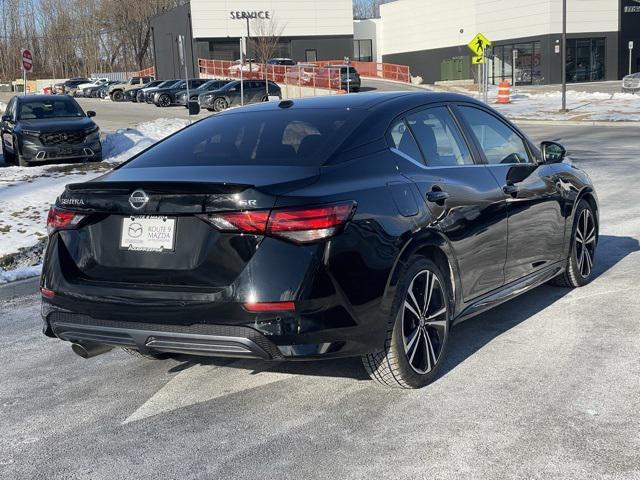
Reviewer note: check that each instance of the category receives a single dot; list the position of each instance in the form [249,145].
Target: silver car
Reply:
[631,83]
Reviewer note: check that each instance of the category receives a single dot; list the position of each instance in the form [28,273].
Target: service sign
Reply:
[27,60]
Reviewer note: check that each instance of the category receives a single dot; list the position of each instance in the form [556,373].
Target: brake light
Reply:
[59,219]
[47,293]
[300,225]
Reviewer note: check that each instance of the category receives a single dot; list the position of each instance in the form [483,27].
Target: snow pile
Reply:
[26,193]
[581,105]
[126,143]
[19,273]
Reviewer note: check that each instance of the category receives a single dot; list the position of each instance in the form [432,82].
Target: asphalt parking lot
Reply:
[547,386]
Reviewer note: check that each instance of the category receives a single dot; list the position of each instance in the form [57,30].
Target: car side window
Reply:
[402,140]
[499,142]
[439,138]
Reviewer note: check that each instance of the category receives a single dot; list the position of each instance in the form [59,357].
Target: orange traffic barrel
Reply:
[504,92]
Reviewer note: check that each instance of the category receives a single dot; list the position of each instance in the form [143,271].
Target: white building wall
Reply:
[412,25]
[370,29]
[213,18]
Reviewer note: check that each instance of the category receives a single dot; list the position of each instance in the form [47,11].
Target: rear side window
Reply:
[438,136]
[402,140]
[296,137]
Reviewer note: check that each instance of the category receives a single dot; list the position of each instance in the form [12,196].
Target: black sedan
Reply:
[42,128]
[165,97]
[210,86]
[232,93]
[335,226]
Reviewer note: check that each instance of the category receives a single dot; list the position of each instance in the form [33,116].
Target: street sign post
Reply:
[630,55]
[480,46]
[27,66]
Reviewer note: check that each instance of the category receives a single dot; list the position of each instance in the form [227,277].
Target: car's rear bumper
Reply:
[198,339]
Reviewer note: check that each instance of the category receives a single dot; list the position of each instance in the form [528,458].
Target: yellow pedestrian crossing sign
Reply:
[478,60]
[478,45]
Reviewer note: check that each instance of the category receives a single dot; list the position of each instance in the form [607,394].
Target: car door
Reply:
[6,127]
[459,193]
[532,192]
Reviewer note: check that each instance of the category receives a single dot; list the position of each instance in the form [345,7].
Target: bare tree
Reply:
[265,39]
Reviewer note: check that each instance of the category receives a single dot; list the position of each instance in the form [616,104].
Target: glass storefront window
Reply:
[585,59]
[527,69]
[362,50]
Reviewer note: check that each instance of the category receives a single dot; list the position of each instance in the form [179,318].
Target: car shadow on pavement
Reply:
[470,336]
[466,338]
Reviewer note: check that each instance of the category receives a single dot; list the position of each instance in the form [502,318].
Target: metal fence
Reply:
[386,71]
[303,75]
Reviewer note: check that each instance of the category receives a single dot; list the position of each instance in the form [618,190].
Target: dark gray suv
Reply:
[229,95]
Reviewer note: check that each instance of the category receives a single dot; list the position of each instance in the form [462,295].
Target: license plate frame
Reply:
[153,236]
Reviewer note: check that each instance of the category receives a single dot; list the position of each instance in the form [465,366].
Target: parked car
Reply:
[631,83]
[64,87]
[41,128]
[325,227]
[166,96]
[150,92]
[281,61]
[229,95]
[116,92]
[131,95]
[301,74]
[96,82]
[210,86]
[250,65]
[349,77]
[103,91]
[88,92]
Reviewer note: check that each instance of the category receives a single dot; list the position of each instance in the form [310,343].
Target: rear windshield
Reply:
[296,137]
[38,110]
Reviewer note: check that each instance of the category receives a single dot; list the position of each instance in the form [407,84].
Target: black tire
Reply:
[117,95]
[416,343]
[149,356]
[584,240]
[220,104]
[210,109]
[164,101]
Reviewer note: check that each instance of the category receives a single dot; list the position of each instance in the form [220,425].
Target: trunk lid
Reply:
[196,255]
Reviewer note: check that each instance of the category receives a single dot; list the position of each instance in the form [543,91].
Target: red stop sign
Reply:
[27,60]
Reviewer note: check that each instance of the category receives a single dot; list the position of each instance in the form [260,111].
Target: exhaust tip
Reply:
[89,350]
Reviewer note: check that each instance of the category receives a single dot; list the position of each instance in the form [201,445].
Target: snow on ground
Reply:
[591,106]
[19,273]
[26,193]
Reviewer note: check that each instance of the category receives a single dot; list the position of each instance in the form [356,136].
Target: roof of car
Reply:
[42,98]
[363,101]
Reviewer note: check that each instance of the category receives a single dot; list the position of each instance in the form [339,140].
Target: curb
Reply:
[574,123]
[19,288]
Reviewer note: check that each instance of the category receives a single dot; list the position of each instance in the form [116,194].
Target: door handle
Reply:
[437,196]
[510,189]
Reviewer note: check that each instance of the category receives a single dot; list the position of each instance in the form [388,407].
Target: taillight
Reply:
[305,225]
[59,219]
[300,225]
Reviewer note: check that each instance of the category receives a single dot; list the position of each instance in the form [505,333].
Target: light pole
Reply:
[564,56]
[248,39]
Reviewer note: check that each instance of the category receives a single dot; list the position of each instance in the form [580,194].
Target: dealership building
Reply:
[430,36]
[309,30]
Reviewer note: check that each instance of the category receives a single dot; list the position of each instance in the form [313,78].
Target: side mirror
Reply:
[6,118]
[91,113]
[552,152]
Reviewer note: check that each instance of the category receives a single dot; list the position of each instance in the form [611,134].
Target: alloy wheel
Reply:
[585,242]
[164,101]
[424,322]
[220,104]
